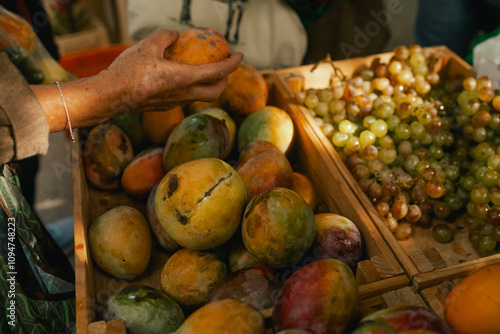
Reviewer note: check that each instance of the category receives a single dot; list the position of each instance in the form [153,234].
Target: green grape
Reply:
[321,109]
[435,152]
[339,139]
[311,101]
[468,182]
[479,174]
[491,178]
[385,109]
[424,117]
[327,129]
[325,95]
[494,123]
[471,223]
[376,166]
[393,122]
[403,131]
[484,151]
[336,106]
[368,120]
[495,196]
[417,130]
[486,229]
[441,209]
[442,233]
[353,144]
[300,97]
[339,117]
[411,162]
[452,172]
[480,195]
[454,201]
[494,162]
[417,59]
[386,141]
[474,238]
[449,186]
[487,243]
[347,126]
[427,140]
[379,128]
[360,172]
[370,152]
[481,210]
[479,135]
[388,155]
[496,233]
[367,137]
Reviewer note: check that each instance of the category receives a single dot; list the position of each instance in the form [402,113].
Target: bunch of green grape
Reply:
[424,149]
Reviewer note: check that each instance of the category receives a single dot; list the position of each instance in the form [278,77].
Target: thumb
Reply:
[159,40]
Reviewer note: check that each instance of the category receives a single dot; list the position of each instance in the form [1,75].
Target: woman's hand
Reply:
[148,82]
[139,80]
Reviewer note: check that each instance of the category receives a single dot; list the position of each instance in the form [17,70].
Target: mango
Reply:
[200,203]
[131,124]
[246,91]
[227,119]
[189,276]
[268,123]
[404,318]
[257,286]
[264,171]
[303,186]
[144,172]
[337,238]
[197,106]
[226,316]
[157,228]
[321,297]
[255,147]
[473,306]
[144,309]
[197,136]
[120,242]
[157,125]
[239,257]
[278,227]
[107,151]
[198,46]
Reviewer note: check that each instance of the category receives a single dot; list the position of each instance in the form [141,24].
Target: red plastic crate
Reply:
[92,61]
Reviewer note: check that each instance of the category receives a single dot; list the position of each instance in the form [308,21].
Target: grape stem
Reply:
[337,72]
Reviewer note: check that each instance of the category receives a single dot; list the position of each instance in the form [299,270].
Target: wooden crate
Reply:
[378,273]
[425,261]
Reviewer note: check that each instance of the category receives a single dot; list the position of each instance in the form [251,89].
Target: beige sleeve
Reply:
[24,130]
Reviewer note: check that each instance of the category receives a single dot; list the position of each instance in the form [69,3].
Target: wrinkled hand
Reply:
[143,80]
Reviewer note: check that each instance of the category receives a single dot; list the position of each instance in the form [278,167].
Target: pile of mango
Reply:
[246,231]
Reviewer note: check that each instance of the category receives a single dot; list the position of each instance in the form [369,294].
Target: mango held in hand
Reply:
[278,227]
[197,136]
[198,46]
[107,151]
[200,203]
[321,297]
[226,316]
[120,242]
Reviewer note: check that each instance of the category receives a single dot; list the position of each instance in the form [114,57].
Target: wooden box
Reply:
[425,261]
[378,273]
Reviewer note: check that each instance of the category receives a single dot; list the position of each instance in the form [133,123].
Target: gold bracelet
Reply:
[66,110]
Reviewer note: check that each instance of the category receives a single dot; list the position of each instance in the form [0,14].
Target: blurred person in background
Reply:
[455,23]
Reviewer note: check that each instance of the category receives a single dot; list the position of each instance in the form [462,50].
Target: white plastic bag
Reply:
[486,59]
